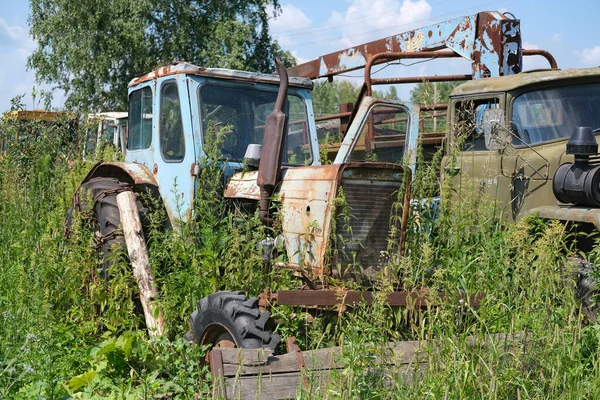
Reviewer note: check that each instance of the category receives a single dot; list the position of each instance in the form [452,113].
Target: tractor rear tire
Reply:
[103,192]
[230,319]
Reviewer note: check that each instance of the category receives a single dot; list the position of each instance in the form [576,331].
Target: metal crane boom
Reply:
[490,40]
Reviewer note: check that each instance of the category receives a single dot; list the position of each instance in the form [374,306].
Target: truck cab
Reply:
[510,136]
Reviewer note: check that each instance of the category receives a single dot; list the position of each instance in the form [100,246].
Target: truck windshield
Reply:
[238,115]
[543,115]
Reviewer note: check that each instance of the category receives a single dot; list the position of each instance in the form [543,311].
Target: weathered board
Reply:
[259,374]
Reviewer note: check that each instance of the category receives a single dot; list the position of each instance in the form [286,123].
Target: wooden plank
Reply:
[138,256]
[236,362]
[287,385]
[246,357]
[216,369]
[258,374]
[322,359]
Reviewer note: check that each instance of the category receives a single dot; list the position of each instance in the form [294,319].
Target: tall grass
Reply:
[65,331]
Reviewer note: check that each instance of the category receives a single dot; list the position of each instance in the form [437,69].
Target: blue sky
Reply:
[568,29]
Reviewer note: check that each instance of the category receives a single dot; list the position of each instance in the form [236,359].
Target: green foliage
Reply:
[328,95]
[91,50]
[66,331]
[433,92]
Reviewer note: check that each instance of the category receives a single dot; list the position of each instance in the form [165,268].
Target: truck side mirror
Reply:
[496,137]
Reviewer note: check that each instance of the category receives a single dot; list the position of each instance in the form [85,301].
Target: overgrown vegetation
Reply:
[66,331]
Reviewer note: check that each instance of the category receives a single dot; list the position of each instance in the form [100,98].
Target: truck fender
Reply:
[568,213]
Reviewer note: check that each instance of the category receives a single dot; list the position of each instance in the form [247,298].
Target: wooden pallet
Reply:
[258,374]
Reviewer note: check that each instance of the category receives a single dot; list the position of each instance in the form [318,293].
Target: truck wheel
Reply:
[230,319]
[103,192]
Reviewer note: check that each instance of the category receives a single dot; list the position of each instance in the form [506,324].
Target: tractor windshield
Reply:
[237,116]
[543,115]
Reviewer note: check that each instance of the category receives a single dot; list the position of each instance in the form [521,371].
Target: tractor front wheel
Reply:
[230,319]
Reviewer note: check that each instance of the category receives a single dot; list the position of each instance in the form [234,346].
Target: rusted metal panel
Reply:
[307,206]
[307,195]
[240,76]
[497,46]
[242,185]
[490,40]
[36,115]
[338,297]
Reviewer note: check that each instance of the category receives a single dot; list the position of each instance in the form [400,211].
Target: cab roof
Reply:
[244,76]
[523,79]
[109,115]
[35,115]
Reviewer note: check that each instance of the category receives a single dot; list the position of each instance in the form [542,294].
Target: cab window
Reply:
[468,125]
[172,142]
[383,135]
[544,115]
[140,119]
[237,115]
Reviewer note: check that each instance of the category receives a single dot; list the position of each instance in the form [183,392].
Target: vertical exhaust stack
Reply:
[269,168]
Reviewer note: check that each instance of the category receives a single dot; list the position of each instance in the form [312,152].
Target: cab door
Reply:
[472,160]
[174,152]
[382,131]
[160,137]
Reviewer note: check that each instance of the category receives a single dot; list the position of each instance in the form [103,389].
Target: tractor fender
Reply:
[134,173]
[568,213]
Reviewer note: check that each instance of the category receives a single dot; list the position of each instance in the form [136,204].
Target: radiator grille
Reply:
[363,223]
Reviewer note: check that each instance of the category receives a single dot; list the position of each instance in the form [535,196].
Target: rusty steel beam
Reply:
[419,79]
[392,56]
[333,116]
[426,107]
[433,107]
[490,40]
[330,298]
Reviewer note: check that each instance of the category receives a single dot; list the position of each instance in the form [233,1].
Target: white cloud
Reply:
[557,37]
[299,58]
[589,57]
[527,45]
[533,62]
[283,26]
[11,34]
[367,20]
[16,45]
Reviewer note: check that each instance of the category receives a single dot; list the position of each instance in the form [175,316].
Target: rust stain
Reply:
[243,185]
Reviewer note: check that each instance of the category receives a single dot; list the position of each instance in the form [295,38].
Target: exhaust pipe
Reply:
[269,168]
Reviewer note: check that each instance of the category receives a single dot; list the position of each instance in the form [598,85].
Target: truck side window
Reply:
[140,119]
[469,122]
[172,142]
[382,136]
